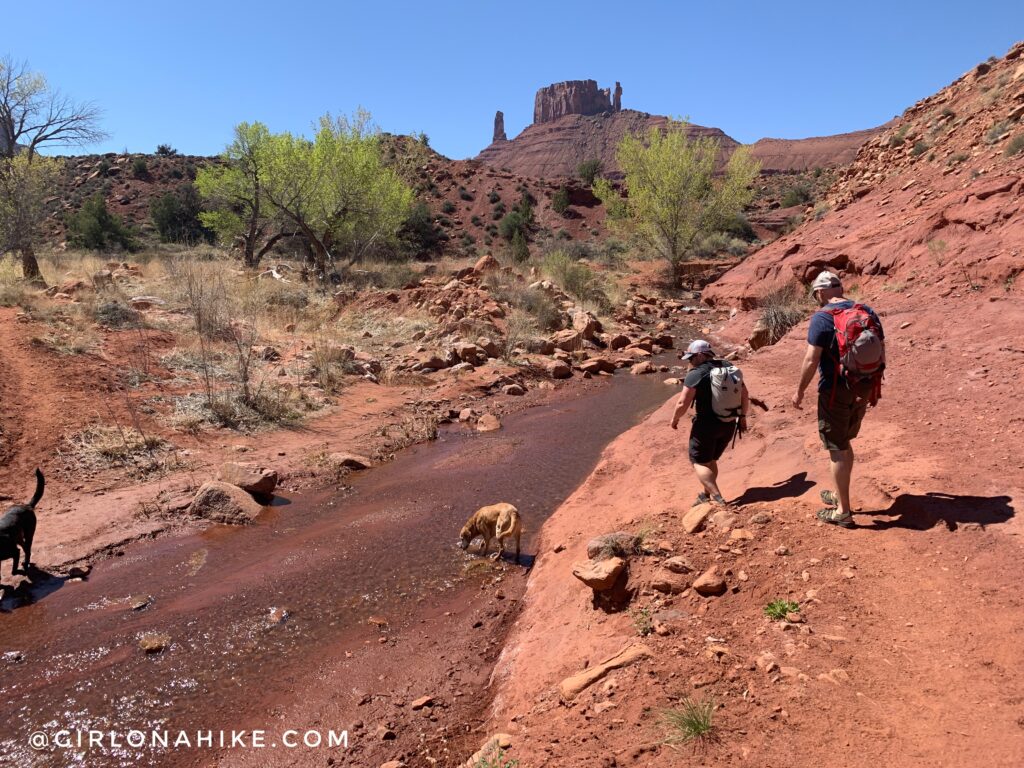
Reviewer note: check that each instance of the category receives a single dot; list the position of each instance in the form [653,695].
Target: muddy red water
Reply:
[246,613]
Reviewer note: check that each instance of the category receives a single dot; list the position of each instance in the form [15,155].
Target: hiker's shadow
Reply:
[795,486]
[923,511]
[37,585]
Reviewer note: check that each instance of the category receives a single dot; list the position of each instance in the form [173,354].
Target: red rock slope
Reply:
[779,155]
[933,206]
[555,148]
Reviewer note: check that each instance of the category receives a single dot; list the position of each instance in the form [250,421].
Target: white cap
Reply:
[826,280]
[698,347]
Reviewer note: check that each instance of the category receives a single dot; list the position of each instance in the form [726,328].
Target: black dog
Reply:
[18,527]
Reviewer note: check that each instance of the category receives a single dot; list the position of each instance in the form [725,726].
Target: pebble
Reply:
[781,551]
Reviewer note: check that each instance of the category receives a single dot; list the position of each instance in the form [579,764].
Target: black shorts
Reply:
[840,415]
[709,439]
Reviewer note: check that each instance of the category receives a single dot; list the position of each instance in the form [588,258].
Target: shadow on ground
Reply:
[36,586]
[923,511]
[792,488]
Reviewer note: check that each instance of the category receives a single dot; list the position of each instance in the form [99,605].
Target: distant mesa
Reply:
[574,97]
[575,120]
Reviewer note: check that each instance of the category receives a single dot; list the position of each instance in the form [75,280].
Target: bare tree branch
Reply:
[33,115]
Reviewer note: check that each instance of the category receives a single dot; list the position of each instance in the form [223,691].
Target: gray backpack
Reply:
[726,391]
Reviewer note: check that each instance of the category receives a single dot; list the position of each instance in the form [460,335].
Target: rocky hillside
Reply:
[555,148]
[575,121]
[931,206]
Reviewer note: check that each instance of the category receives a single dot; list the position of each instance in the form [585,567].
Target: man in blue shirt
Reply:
[841,404]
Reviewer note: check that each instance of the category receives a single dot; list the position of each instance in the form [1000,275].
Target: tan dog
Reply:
[495,521]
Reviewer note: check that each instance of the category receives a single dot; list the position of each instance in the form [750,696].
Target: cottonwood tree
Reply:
[335,190]
[674,193]
[234,191]
[25,183]
[33,116]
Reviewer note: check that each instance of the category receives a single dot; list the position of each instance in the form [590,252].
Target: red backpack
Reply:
[861,348]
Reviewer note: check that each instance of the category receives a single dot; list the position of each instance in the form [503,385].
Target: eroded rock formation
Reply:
[574,97]
[499,127]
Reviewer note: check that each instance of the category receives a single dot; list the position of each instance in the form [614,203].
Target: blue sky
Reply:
[184,72]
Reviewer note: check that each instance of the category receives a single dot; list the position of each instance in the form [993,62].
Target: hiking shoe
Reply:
[703,498]
[834,517]
[829,499]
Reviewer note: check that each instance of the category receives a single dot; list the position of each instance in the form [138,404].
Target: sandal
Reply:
[834,517]
[829,499]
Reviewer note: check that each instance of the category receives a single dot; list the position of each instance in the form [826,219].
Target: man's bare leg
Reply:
[841,464]
[708,476]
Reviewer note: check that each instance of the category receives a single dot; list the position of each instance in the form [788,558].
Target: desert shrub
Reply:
[997,132]
[512,224]
[798,194]
[493,197]
[388,276]
[575,278]
[467,239]
[820,211]
[116,314]
[166,150]
[897,138]
[920,147]
[140,170]
[736,247]
[419,234]
[692,720]
[588,171]
[532,301]
[518,248]
[176,217]
[781,310]
[1016,145]
[611,253]
[560,201]
[710,245]
[103,167]
[958,158]
[95,228]
[776,610]
[102,447]
[465,194]
[447,207]
[948,112]
[476,221]
[738,226]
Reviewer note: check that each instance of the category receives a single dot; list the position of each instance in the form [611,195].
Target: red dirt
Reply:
[910,651]
[925,632]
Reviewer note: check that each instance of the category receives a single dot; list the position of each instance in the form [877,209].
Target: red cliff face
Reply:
[572,97]
[556,148]
[781,155]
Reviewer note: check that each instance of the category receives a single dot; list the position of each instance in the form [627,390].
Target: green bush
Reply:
[919,149]
[95,228]
[176,217]
[588,171]
[140,170]
[560,201]
[465,194]
[512,224]
[166,150]
[1016,145]
[447,207]
[575,278]
[476,221]
[799,194]
[493,197]
[518,247]
[419,234]
[740,227]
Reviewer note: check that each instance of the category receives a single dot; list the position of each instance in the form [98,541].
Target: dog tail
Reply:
[510,524]
[40,486]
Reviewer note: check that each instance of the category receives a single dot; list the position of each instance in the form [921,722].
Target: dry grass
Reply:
[781,310]
[99,447]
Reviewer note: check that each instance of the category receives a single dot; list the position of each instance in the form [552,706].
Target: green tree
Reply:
[25,183]
[560,201]
[96,228]
[177,214]
[335,189]
[233,190]
[588,171]
[675,196]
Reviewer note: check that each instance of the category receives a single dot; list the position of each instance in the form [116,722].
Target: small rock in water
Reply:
[488,423]
[141,603]
[13,657]
[154,642]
